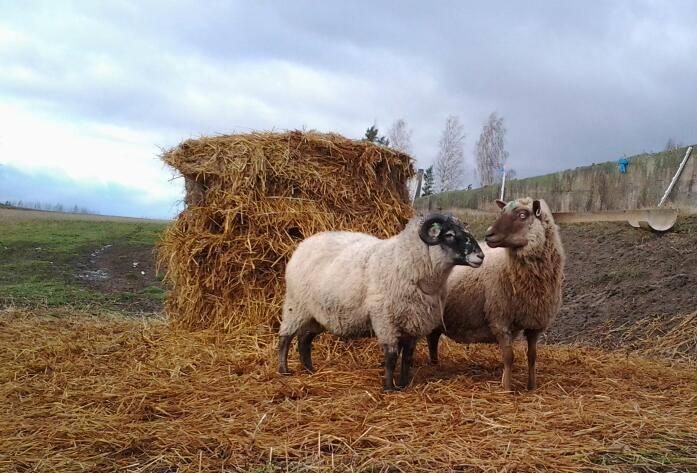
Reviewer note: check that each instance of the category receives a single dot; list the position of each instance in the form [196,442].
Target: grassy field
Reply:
[48,259]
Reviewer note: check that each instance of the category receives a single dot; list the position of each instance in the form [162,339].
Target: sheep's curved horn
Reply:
[431,229]
[537,208]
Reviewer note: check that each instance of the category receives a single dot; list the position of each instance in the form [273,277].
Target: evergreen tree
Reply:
[427,188]
[372,135]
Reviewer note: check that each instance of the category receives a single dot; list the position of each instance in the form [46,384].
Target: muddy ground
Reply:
[122,268]
[617,275]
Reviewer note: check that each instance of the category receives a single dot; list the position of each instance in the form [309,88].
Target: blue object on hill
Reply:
[623,165]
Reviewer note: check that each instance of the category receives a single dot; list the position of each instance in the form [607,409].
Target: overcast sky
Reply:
[91,91]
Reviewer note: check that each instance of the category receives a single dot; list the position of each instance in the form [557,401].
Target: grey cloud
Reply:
[576,82]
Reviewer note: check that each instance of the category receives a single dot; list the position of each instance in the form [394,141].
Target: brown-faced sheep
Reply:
[518,288]
[355,285]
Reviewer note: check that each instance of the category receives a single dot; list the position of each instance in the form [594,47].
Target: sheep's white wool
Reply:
[356,285]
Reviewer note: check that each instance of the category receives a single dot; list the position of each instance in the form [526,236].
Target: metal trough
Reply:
[659,220]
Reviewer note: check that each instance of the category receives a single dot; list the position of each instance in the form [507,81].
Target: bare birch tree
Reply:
[672,145]
[450,162]
[491,154]
[400,136]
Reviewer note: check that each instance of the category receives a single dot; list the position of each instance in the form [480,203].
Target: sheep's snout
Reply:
[475,259]
[490,238]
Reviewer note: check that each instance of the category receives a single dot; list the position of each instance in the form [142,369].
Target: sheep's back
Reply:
[326,277]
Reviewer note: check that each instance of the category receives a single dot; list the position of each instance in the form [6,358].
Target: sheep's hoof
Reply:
[402,384]
[284,371]
[433,361]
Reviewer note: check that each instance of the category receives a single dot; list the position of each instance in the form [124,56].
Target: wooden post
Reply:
[676,177]
[419,178]
[194,192]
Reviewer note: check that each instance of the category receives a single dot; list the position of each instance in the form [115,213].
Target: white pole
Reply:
[503,182]
[677,175]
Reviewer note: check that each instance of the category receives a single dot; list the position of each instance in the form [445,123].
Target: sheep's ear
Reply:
[500,203]
[536,208]
[431,229]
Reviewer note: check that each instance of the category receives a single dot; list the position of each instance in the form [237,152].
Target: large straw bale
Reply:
[251,198]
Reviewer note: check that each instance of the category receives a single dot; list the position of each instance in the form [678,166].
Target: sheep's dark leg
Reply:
[408,346]
[433,339]
[506,343]
[391,352]
[532,336]
[283,346]
[305,349]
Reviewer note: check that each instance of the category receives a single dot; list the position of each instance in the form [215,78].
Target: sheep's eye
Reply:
[523,215]
[449,236]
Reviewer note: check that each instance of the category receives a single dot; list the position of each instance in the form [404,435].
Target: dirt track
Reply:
[125,268]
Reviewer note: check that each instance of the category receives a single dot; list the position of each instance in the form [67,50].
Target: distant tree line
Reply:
[448,170]
[45,206]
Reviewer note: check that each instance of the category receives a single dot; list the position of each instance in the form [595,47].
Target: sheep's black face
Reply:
[465,246]
[451,235]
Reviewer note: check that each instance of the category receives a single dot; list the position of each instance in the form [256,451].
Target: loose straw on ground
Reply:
[101,394]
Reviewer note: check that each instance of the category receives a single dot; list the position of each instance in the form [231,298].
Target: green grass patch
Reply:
[68,236]
[40,261]
[154,292]
[38,292]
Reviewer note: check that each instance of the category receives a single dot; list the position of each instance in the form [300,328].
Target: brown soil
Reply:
[122,268]
[617,275]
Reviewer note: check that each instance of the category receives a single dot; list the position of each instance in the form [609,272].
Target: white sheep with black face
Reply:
[355,285]
[517,289]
